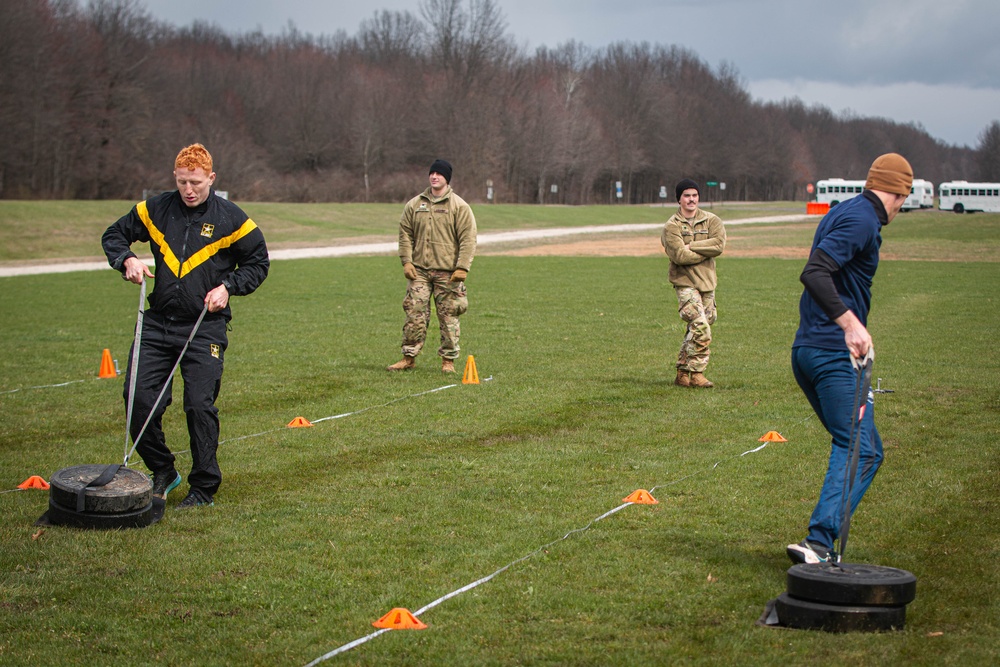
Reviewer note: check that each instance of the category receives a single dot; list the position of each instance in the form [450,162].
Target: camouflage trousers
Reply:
[698,310]
[450,301]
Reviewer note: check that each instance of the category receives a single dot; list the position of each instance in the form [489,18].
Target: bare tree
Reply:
[391,38]
[988,152]
[36,115]
[118,102]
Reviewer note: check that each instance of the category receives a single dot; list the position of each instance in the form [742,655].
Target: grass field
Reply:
[319,531]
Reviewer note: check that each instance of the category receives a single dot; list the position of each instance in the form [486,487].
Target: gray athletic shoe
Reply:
[810,552]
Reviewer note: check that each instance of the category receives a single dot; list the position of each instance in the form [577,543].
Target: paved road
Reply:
[390,247]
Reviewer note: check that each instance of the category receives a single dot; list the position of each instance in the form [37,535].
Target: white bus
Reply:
[921,195]
[832,191]
[965,197]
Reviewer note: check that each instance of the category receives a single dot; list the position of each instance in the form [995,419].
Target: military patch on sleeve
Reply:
[216,350]
[207,230]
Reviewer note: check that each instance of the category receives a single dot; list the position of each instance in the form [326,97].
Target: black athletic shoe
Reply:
[810,552]
[164,483]
[195,498]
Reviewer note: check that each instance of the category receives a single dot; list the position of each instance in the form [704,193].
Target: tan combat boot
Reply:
[683,378]
[405,364]
[699,380]
[447,366]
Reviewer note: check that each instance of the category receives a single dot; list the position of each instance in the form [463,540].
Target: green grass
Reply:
[317,532]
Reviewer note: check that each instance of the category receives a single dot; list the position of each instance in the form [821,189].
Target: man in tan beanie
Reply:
[833,317]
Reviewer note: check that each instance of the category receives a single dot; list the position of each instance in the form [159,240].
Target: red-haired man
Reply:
[205,250]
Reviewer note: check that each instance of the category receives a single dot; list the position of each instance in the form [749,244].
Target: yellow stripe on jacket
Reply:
[195,260]
[211,249]
[156,236]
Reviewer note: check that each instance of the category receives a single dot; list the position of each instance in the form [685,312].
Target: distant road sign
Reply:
[712,183]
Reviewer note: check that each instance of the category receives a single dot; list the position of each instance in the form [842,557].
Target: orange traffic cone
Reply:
[299,422]
[471,375]
[107,366]
[772,436]
[33,482]
[399,619]
[641,497]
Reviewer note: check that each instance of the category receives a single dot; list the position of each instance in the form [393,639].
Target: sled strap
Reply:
[101,480]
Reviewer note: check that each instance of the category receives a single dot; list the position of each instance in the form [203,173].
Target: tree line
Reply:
[96,100]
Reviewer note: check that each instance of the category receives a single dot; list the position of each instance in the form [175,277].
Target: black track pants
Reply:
[201,370]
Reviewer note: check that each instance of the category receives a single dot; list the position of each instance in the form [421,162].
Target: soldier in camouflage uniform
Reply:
[692,239]
[437,242]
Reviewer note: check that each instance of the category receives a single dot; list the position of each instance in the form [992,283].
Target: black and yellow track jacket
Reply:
[194,250]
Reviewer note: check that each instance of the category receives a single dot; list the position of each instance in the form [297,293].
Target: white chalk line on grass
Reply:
[347,414]
[361,640]
[41,386]
[314,421]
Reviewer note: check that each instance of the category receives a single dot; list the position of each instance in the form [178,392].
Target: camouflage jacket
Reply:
[692,246]
[437,233]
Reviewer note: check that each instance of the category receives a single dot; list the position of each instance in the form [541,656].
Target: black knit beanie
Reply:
[442,167]
[686,184]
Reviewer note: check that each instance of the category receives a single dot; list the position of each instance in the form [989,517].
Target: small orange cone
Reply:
[107,366]
[299,422]
[33,482]
[641,497]
[772,436]
[399,619]
[471,375]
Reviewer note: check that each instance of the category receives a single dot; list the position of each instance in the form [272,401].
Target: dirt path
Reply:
[625,241]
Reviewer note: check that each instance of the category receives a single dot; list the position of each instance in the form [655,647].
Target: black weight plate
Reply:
[63,516]
[807,615]
[851,584]
[129,490]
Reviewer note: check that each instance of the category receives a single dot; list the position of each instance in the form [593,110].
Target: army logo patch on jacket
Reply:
[207,230]
[216,350]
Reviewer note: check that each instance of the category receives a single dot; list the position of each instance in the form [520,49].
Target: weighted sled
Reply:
[808,615]
[851,584]
[130,490]
[64,516]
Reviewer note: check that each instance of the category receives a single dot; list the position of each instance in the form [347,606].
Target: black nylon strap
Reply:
[862,387]
[101,480]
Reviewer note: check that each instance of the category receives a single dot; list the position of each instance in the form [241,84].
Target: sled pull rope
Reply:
[863,383]
[156,403]
[137,340]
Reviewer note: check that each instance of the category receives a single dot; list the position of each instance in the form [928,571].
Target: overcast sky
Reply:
[935,63]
